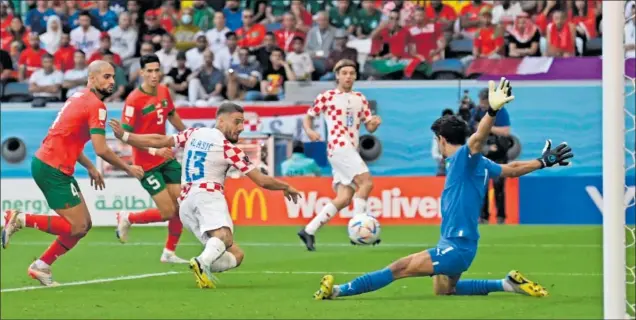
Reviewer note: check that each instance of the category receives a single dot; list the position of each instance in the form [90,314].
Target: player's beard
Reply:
[106,92]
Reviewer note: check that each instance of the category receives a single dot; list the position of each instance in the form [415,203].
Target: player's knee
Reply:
[341,202]
[224,234]
[168,210]
[80,229]
[239,255]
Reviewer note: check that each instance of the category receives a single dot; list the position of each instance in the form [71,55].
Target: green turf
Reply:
[277,281]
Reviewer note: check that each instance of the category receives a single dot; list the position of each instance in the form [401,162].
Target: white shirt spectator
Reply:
[300,63]
[40,78]
[86,41]
[216,39]
[501,15]
[123,41]
[167,60]
[628,8]
[73,75]
[223,59]
[630,38]
[194,59]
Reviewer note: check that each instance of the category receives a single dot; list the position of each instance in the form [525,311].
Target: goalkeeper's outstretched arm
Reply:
[549,157]
[497,97]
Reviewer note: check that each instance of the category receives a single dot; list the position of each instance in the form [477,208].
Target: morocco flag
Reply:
[510,66]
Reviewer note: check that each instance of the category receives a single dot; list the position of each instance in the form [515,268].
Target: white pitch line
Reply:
[169,273]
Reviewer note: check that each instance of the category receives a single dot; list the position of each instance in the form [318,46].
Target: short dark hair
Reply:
[229,107]
[447,112]
[269,33]
[107,52]
[47,56]
[452,128]
[85,13]
[80,51]
[181,55]
[277,49]
[301,39]
[149,58]
[231,34]
[298,147]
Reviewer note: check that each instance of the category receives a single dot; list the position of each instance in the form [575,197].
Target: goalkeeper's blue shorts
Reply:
[452,257]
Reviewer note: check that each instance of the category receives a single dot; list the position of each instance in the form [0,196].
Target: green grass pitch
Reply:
[278,277]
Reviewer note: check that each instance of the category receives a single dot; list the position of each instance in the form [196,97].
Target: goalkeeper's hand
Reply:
[499,96]
[559,155]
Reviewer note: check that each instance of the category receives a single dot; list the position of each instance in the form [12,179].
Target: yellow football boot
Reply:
[203,279]
[523,285]
[326,288]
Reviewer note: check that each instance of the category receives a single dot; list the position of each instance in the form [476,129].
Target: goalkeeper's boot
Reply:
[308,239]
[11,226]
[42,274]
[326,288]
[123,225]
[202,275]
[170,257]
[525,286]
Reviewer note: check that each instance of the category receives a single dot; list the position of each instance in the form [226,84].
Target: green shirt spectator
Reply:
[203,16]
[298,164]
[343,16]
[276,9]
[368,19]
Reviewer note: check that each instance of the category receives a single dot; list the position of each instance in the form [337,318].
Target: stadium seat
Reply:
[16,92]
[594,47]
[447,69]
[460,48]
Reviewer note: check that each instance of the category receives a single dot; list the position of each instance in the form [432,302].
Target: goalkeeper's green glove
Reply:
[499,96]
[559,155]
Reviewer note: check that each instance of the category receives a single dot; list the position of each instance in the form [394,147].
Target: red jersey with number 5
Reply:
[147,113]
[83,114]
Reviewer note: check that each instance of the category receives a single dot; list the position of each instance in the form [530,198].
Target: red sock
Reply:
[174,233]
[50,224]
[146,216]
[60,246]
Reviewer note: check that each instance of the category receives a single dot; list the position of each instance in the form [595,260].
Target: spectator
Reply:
[177,79]
[105,19]
[339,52]
[425,39]
[584,20]
[185,31]
[523,37]
[36,18]
[5,16]
[123,38]
[133,74]
[135,14]
[320,39]
[275,76]
[343,16]
[85,37]
[104,46]
[304,20]
[151,31]
[216,35]
[168,54]
[300,61]
[15,51]
[289,31]
[260,10]
[313,7]
[545,11]
[75,79]
[45,84]
[506,12]
[299,164]
[7,73]
[406,10]
[17,32]
[194,56]
[368,19]
[64,56]
[120,79]
[262,54]
[233,14]
[72,16]
[168,15]
[488,41]
[243,80]
[439,12]
[31,58]
[469,18]
[275,10]
[228,56]
[630,35]
[203,16]
[50,40]
[560,36]
[206,85]
[251,34]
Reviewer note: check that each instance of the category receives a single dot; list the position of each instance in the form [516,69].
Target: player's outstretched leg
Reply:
[343,198]
[514,282]
[215,247]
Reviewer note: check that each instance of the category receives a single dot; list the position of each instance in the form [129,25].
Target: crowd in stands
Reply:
[246,50]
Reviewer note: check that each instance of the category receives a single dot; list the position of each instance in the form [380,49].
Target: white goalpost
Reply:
[617,274]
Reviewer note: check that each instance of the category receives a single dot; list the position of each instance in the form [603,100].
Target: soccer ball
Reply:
[363,229]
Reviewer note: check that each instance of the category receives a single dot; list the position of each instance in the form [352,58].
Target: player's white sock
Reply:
[225,262]
[359,206]
[214,248]
[323,217]
[507,286]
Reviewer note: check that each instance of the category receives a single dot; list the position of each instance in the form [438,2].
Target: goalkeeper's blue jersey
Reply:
[464,191]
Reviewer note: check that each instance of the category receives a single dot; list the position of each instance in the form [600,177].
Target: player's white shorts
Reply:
[204,211]
[346,163]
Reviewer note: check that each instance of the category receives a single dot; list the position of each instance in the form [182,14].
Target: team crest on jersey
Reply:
[164,103]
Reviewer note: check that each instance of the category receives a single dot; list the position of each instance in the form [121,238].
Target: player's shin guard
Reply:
[225,262]
[478,287]
[365,283]
[146,216]
[50,224]
[359,206]
[214,248]
[322,218]
[174,233]
[60,246]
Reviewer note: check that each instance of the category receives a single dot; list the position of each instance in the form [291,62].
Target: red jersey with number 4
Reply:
[83,114]
[146,113]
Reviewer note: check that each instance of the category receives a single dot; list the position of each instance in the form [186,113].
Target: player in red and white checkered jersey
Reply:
[208,155]
[345,110]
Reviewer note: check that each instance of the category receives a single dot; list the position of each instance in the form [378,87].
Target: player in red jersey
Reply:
[82,118]
[146,110]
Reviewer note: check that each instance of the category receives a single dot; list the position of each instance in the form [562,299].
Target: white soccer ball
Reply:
[363,229]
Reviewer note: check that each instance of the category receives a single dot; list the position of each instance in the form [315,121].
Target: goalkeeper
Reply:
[467,174]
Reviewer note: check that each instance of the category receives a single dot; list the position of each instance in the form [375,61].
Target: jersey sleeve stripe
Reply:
[127,127]
[98,131]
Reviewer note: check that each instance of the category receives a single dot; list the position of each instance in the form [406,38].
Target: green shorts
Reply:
[156,179]
[61,191]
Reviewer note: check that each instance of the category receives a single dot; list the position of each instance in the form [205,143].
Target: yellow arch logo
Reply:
[249,198]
